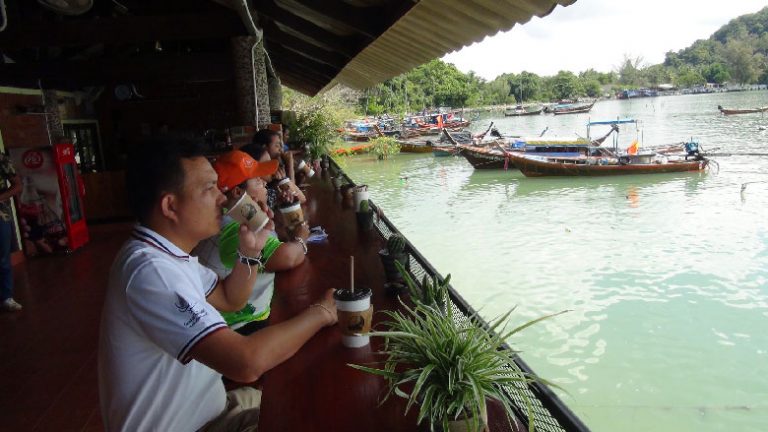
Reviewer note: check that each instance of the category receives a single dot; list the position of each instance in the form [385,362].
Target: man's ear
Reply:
[169,206]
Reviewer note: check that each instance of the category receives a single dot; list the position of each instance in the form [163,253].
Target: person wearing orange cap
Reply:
[240,174]
[163,344]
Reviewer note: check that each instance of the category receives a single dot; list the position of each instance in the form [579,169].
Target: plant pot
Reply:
[336,182]
[388,261]
[365,220]
[467,426]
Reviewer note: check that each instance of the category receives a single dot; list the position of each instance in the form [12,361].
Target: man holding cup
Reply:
[163,345]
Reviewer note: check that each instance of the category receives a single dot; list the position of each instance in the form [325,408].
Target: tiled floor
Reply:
[48,350]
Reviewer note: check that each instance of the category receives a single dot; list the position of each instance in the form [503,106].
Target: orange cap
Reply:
[236,167]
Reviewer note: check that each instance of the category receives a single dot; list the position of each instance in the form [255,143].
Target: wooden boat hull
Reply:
[444,151]
[415,148]
[483,158]
[743,111]
[577,110]
[531,167]
[521,114]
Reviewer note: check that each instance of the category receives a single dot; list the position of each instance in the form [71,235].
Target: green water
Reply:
[666,276]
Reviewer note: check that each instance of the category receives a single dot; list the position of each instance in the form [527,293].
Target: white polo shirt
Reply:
[155,311]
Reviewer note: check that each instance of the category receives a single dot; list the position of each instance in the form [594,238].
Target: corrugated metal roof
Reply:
[432,28]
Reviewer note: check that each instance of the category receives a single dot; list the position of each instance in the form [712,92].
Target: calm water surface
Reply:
[666,276]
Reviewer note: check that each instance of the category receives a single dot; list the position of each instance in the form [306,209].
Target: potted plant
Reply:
[394,252]
[450,369]
[316,127]
[432,292]
[365,215]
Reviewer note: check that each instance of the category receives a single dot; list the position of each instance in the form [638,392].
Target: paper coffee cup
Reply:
[247,211]
[292,215]
[361,194]
[284,184]
[302,164]
[311,173]
[355,314]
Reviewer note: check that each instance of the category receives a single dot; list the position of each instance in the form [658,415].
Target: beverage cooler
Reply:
[50,206]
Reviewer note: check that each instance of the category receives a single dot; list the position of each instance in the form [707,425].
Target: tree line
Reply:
[737,54]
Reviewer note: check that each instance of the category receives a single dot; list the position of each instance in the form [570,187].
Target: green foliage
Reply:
[452,368]
[431,292]
[365,206]
[396,244]
[384,147]
[565,85]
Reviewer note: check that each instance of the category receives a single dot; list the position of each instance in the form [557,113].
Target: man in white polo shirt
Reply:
[163,346]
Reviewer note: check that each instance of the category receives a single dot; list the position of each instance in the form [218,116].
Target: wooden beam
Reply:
[349,45]
[370,21]
[193,67]
[304,73]
[281,54]
[120,30]
[331,57]
[299,84]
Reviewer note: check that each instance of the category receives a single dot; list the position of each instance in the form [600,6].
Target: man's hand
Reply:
[251,243]
[301,230]
[280,173]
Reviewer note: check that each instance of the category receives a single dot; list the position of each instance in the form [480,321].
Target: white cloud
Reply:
[597,33]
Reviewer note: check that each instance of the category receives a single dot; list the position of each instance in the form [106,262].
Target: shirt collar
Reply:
[154,239]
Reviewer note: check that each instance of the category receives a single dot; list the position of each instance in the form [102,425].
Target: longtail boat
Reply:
[521,111]
[726,111]
[573,109]
[538,166]
[490,156]
[444,151]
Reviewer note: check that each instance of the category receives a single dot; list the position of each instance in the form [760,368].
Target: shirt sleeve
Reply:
[171,312]
[209,279]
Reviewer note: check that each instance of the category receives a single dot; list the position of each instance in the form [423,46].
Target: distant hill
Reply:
[737,52]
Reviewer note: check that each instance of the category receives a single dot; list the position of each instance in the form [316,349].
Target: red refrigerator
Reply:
[50,206]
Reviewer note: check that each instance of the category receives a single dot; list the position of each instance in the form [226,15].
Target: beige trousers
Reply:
[240,414]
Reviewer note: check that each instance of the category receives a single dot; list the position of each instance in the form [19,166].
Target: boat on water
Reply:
[573,108]
[523,111]
[444,151]
[603,161]
[604,165]
[491,155]
[727,111]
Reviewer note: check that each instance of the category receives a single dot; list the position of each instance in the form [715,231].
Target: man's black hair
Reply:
[254,150]
[264,137]
[154,168]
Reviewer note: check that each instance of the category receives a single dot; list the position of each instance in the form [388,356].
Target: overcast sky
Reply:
[597,33]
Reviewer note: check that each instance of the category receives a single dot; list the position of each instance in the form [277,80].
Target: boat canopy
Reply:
[612,122]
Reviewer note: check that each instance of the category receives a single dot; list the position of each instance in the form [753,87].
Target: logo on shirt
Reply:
[195,314]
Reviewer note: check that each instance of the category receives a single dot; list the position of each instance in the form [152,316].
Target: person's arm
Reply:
[14,190]
[290,254]
[246,358]
[288,160]
[232,293]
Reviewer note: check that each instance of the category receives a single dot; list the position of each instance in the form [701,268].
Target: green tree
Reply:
[689,77]
[565,85]
[716,73]
[525,86]
[629,70]
[741,62]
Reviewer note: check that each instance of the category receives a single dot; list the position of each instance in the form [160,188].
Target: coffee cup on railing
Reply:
[355,314]
[292,214]
[247,211]
[361,194]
